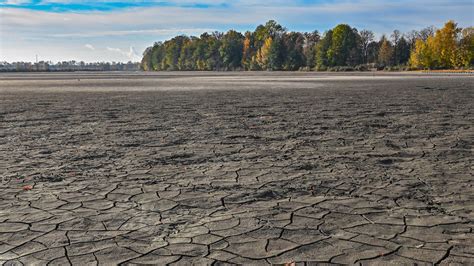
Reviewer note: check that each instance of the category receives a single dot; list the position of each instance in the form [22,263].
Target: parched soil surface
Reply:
[249,168]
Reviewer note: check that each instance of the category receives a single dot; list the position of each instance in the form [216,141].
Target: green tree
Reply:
[173,52]
[322,48]
[276,54]
[293,54]
[185,61]
[401,52]
[213,56]
[200,52]
[145,64]
[309,48]
[158,54]
[344,41]
[263,32]
[231,50]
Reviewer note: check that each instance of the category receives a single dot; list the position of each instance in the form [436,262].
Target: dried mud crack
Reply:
[248,168]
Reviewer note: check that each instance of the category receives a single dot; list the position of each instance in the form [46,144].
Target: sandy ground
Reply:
[249,168]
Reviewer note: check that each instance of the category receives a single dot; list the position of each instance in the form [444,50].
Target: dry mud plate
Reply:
[236,168]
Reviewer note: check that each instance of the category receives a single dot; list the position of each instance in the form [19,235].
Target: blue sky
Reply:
[90,6]
[114,30]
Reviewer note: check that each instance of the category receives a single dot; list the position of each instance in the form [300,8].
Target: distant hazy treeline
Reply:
[343,48]
[43,66]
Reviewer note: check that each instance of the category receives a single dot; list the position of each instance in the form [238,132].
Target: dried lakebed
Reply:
[236,168]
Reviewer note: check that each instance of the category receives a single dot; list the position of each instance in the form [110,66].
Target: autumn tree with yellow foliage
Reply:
[385,52]
[247,51]
[263,52]
[422,55]
[447,49]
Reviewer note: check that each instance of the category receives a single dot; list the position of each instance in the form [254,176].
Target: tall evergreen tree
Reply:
[231,50]
[294,57]
[401,52]
[276,54]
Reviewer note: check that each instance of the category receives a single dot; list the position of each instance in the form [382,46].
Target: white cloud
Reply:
[90,47]
[17,2]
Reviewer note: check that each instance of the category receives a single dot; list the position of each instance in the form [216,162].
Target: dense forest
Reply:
[343,48]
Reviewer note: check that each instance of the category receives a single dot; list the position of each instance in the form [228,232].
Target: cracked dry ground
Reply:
[251,169]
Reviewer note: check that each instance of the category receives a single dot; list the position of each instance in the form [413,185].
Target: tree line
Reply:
[272,47]
[67,66]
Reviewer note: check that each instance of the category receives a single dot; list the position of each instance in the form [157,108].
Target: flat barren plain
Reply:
[245,168]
